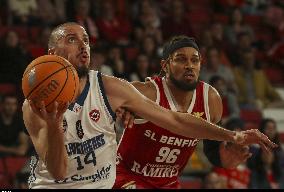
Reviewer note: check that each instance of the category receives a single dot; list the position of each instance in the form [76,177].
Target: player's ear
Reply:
[51,51]
[164,65]
[201,59]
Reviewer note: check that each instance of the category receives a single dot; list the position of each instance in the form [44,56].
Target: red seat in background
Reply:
[281,135]
[253,20]
[222,18]
[274,75]
[9,167]
[7,88]
[36,50]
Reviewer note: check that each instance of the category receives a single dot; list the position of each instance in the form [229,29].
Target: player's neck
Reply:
[183,98]
[82,82]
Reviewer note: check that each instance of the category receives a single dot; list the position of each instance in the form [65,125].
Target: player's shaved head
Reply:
[58,33]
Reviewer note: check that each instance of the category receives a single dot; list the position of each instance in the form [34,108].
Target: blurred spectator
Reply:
[52,12]
[236,25]
[138,35]
[13,59]
[24,12]
[150,48]
[217,31]
[268,127]
[115,59]
[13,140]
[276,53]
[177,21]
[273,15]
[231,108]
[98,62]
[149,21]
[266,172]
[235,178]
[244,42]
[82,17]
[3,13]
[43,38]
[39,47]
[255,90]
[254,7]
[215,67]
[213,181]
[111,27]
[141,69]
[206,39]
[226,6]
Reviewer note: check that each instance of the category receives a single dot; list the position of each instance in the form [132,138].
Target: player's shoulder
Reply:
[143,86]
[147,88]
[212,92]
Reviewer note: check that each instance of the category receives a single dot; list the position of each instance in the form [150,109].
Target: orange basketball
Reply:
[50,78]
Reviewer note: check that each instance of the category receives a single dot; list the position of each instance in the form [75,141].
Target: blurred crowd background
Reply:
[242,44]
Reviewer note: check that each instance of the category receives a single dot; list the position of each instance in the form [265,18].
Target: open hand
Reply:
[232,154]
[254,136]
[53,118]
[126,117]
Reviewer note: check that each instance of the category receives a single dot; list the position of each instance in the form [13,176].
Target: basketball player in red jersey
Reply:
[152,157]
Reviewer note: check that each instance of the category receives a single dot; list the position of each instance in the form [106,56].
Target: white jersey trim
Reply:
[142,121]
[170,99]
[205,99]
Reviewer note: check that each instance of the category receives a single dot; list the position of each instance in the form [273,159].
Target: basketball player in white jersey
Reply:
[76,147]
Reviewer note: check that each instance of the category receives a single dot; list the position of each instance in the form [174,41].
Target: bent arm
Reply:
[123,94]
[48,143]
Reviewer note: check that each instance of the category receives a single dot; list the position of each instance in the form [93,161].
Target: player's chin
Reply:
[84,62]
[190,81]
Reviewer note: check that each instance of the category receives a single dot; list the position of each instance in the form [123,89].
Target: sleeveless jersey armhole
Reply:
[142,121]
[103,94]
[206,102]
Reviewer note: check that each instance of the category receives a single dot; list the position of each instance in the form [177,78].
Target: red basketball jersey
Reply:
[152,152]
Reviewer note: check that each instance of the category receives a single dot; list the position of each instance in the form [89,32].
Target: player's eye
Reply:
[180,60]
[72,40]
[86,41]
[194,60]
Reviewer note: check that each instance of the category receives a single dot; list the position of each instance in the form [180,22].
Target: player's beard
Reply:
[82,71]
[183,85]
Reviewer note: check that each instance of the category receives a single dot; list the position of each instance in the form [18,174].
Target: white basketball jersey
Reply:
[90,141]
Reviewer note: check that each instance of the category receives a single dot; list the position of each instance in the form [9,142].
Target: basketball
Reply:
[50,78]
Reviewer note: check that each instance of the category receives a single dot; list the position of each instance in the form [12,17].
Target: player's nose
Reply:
[82,46]
[188,65]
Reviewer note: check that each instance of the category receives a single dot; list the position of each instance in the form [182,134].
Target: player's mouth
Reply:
[84,57]
[189,76]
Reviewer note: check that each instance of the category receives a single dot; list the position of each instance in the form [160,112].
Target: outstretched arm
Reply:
[123,94]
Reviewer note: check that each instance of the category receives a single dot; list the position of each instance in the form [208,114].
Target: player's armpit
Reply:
[148,89]
[211,151]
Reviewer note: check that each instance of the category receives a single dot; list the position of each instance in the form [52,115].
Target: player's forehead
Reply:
[76,30]
[186,51]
